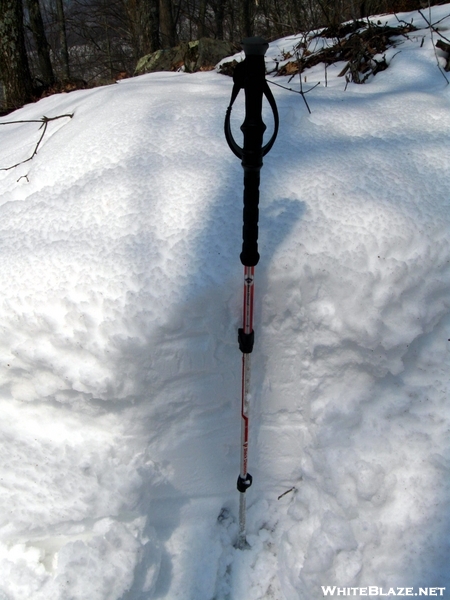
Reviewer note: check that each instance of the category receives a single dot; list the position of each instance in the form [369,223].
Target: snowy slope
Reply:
[120,371]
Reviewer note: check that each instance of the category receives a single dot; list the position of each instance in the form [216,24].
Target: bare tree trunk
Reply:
[232,26]
[148,26]
[132,19]
[247,24]
[202,19]
[108,48]
[63,39]
[155,42]
[143,18]
[299,21]
[167,24]
[14,69]
[219,14]
[40,39]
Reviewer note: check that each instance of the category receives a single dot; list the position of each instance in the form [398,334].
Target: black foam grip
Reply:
[249,255]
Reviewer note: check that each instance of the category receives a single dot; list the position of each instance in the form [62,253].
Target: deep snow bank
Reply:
[121,297]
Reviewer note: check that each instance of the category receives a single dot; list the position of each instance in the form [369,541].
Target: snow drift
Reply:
[119,365]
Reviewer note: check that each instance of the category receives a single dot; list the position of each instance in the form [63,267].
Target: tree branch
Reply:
[433,28]
[44,122]
[301,92]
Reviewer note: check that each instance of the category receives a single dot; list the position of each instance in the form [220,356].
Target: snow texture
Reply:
[120,371]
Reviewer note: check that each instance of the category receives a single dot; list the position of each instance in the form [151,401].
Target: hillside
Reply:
[120,370]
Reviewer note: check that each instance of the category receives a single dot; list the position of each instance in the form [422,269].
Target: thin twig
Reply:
[44,122]
[302,93]
[401,20]
[433,25]
[287,492]
[432,28]
[41,120]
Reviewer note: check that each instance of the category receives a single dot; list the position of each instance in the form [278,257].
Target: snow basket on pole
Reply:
[249,75]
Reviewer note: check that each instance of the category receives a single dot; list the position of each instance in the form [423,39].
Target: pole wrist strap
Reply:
[239,84]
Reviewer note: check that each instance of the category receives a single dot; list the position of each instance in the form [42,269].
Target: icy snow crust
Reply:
[120,371]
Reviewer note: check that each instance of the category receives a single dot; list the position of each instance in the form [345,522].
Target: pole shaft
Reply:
[253,129]
[249,280]
[242,541]
[249,287]
[249,75]
[244,414]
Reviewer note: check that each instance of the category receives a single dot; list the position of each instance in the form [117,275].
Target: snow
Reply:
[120,370]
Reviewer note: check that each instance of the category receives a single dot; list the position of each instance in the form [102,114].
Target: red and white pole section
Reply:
[245,334]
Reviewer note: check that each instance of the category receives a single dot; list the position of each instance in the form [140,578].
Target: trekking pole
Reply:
[249,75]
